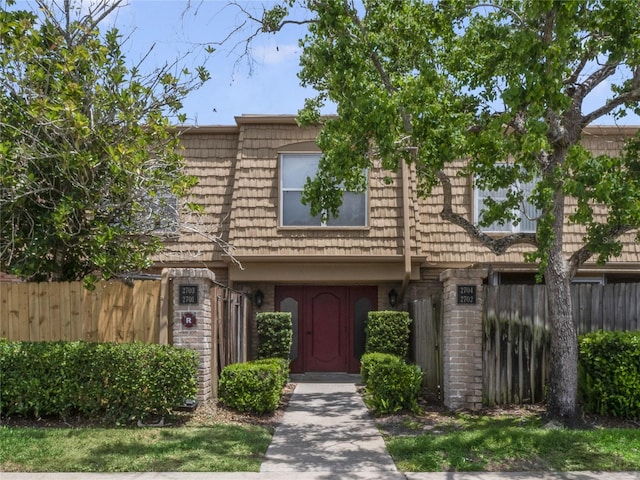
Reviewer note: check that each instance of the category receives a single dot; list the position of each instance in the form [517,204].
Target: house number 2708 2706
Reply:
[467,294]
[188,295]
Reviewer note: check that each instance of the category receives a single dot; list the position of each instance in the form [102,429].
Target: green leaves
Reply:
[432,83]
[388,332]
[610,373]
[391,384]
[275,334]
[252,386]
[111,382]
[85,143]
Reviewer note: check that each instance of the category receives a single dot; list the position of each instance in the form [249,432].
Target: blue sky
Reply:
[268,86]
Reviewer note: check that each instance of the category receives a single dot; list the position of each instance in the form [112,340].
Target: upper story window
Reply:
[527,213]
[160,215]
[295,168]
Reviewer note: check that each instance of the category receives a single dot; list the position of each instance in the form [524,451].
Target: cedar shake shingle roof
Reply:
[238,186]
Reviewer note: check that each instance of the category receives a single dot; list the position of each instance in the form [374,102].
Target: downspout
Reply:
[407,232]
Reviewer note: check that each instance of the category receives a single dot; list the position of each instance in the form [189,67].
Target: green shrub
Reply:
[609,367]
[251,386]
[388,332]
[275,333]
[392,385]
[282,365]
[368,360]
[113,382]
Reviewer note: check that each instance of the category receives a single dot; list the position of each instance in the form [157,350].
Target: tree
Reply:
[90,171]
[501,85]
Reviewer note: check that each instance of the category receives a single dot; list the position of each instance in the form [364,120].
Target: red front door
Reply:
[324,329]
[328,325]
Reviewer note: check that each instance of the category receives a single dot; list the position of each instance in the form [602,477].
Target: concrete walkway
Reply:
[327,429]
[326,433]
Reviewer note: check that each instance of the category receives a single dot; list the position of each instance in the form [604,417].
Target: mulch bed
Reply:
[433,416]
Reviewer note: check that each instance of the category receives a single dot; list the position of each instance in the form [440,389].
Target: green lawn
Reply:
[460,442]
[477,443]
[217,448]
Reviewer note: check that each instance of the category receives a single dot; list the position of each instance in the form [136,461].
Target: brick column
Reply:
[462,337]
[191,320]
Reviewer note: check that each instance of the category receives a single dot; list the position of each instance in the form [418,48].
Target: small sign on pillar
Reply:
[189,319]
[467,295]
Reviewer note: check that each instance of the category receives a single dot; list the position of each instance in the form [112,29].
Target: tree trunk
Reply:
[563,375]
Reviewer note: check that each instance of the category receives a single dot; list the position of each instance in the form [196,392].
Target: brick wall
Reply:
[199,336]
[462,338]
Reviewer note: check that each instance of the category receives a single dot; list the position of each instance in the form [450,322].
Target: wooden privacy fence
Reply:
[231,320]
[112,312]
[516,333]
[426,340]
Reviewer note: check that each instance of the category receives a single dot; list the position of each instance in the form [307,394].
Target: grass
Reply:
[461,442]
[481,443]
[217,448]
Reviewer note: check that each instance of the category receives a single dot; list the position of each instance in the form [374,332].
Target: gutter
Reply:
[407,232]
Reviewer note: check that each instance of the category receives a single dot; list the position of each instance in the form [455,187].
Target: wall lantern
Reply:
[393,297]
[258,298]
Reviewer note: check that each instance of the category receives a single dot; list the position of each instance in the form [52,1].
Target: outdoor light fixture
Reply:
[258,298]
[393,297]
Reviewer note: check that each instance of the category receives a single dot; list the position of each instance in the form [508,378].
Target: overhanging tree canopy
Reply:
[503,85]
[88,166]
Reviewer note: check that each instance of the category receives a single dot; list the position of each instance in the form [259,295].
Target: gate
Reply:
[426,341]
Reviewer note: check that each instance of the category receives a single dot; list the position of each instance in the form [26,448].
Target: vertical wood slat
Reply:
[5,325]
[426,340]
[75,311]
[508,311]
[215,356]
[52,320]
[34,312]
[21,312]
[67,311]
[165,308]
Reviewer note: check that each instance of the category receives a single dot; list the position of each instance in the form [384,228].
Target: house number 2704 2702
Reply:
[467,294]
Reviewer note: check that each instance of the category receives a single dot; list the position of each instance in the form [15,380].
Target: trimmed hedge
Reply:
[281,363]
[391,384]
[609,366]
[253,387]
[388,332]
[275,333]
[117,383]
[368,360]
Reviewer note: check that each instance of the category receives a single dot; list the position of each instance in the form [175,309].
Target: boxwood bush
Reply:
[609,367]
[275,333]
[391,384]
[116,383]
[388,332]
[282,365]
[368,360]
[253,387]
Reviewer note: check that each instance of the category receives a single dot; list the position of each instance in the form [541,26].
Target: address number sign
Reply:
[467,294]
[188,295]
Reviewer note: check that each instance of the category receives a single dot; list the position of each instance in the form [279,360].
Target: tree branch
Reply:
[497,245]
[573,78]
[632,95]
[580,256]
[510,11]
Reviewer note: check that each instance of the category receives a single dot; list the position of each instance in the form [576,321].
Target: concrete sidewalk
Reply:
[326,433]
